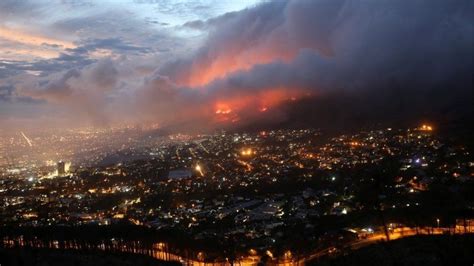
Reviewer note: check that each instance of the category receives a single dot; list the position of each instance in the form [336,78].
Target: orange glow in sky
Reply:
[31,44]
[234,59]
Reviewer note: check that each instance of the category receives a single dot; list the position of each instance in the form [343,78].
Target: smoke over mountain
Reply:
[404,59]
[316,63]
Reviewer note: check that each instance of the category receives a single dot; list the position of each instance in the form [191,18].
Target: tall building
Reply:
[61,168]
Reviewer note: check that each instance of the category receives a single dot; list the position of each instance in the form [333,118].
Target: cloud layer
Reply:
[268,63]
[331,48]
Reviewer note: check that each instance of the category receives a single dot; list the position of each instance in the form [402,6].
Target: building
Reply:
[61,168]
[180,174]
[464,226]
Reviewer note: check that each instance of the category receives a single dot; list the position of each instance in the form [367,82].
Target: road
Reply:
[372,239]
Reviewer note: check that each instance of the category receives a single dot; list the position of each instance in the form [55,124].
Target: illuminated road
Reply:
[161,252]
[27,139]
[373,239]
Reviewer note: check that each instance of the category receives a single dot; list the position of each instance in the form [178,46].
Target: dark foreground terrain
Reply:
[48,257]
[417,250]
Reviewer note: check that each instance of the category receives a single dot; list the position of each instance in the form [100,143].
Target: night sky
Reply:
[212,64]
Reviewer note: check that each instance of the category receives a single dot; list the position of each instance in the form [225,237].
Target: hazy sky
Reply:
[228,62]
[41,40]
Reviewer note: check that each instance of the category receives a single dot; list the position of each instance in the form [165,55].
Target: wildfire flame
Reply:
[426,128]
[223,111]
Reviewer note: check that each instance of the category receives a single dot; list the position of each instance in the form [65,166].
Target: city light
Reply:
[269,253]
[199,169]
[247,152]
[225,165]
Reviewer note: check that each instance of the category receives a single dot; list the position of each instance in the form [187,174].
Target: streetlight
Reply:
[199,169]
[437,221]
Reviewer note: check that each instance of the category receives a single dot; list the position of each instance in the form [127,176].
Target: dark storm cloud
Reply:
[358,41]
[207,24]
[118,31]
[10,68]
[113,44]
[64,61]
[72,58]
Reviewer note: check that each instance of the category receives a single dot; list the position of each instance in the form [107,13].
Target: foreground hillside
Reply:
[418,250]
[47,257]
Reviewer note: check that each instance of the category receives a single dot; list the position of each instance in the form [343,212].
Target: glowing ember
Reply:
[223,111]
[426,128]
